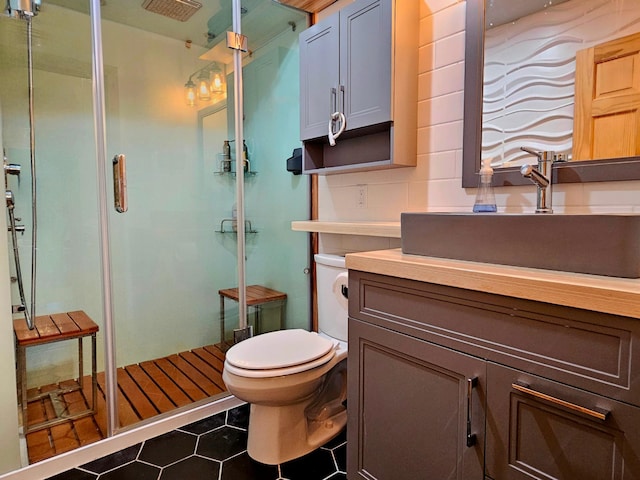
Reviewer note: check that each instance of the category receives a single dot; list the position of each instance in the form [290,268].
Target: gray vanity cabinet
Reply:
[362,61]
[556,393]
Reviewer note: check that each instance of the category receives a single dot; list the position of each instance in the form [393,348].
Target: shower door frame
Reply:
[111,383]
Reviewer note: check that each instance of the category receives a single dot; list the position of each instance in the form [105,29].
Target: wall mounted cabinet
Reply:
[361,62]
[557,389]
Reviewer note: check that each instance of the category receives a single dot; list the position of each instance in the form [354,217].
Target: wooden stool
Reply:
[257,296]
[48,329]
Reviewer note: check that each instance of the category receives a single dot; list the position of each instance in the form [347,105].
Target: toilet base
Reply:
[280,434]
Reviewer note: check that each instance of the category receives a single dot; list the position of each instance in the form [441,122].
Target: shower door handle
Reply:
[120,183]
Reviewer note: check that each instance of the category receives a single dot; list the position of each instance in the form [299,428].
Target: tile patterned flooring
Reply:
[214,448]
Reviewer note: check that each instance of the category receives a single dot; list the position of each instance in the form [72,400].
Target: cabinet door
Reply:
[319,51]
[557,436]
[409,405]
[366,62]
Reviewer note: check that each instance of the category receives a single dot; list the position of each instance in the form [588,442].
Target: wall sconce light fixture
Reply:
[204,94]
[211,85]
[217,83]
[190,93]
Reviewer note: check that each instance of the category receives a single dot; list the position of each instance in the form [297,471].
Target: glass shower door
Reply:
[165,252]
[174,252]
[277,258]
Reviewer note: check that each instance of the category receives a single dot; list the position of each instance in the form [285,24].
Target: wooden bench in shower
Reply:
[257,296]
[48,329]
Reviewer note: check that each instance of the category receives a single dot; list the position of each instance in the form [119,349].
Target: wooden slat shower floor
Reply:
[144,390]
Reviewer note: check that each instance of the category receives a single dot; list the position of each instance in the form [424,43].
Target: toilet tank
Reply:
[331,277]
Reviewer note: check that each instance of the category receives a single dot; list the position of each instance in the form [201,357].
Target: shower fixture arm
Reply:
[26,10]
[22,307]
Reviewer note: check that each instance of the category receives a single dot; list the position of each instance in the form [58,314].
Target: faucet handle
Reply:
[532,152]
[12,168]
[543,156]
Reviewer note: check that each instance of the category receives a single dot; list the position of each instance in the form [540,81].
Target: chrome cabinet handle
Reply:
[333,100]
[600,414]
[120,183]
[471,384]
[336,117]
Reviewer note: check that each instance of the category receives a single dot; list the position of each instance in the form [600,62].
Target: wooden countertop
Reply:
[619,296]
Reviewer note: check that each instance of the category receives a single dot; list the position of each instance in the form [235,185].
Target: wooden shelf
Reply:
[370,229]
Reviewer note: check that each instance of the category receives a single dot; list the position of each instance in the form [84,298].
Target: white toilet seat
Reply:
[284,352]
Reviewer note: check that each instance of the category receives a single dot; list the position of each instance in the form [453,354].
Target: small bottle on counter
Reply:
[485,198]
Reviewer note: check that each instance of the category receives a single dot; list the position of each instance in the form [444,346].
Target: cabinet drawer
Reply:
[553,431]
[590,350]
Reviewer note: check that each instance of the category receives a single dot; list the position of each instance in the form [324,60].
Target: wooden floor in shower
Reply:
[144,390]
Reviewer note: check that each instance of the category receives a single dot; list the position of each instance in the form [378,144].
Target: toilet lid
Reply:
[280,349]
[279,372]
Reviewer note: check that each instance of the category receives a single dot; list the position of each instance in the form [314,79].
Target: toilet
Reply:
[295,380]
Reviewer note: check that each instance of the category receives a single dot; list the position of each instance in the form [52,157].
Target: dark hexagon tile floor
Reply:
[214,448]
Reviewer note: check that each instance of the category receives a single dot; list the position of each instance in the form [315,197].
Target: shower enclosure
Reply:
[175,247]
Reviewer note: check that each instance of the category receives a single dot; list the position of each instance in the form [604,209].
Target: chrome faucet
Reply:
[541,177]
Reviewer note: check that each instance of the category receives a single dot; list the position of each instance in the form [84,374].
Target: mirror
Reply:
[532,122]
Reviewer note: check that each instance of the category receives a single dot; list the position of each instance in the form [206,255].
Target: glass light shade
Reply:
[190,93]
[217,83]
[203,86]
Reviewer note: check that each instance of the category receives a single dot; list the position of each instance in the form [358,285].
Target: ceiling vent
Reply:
[181,10]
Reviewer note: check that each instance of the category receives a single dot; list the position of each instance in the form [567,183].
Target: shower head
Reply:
[180,10]
[22,8]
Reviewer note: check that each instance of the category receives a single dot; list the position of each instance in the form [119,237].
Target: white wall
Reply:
[9,446]
[435,183]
